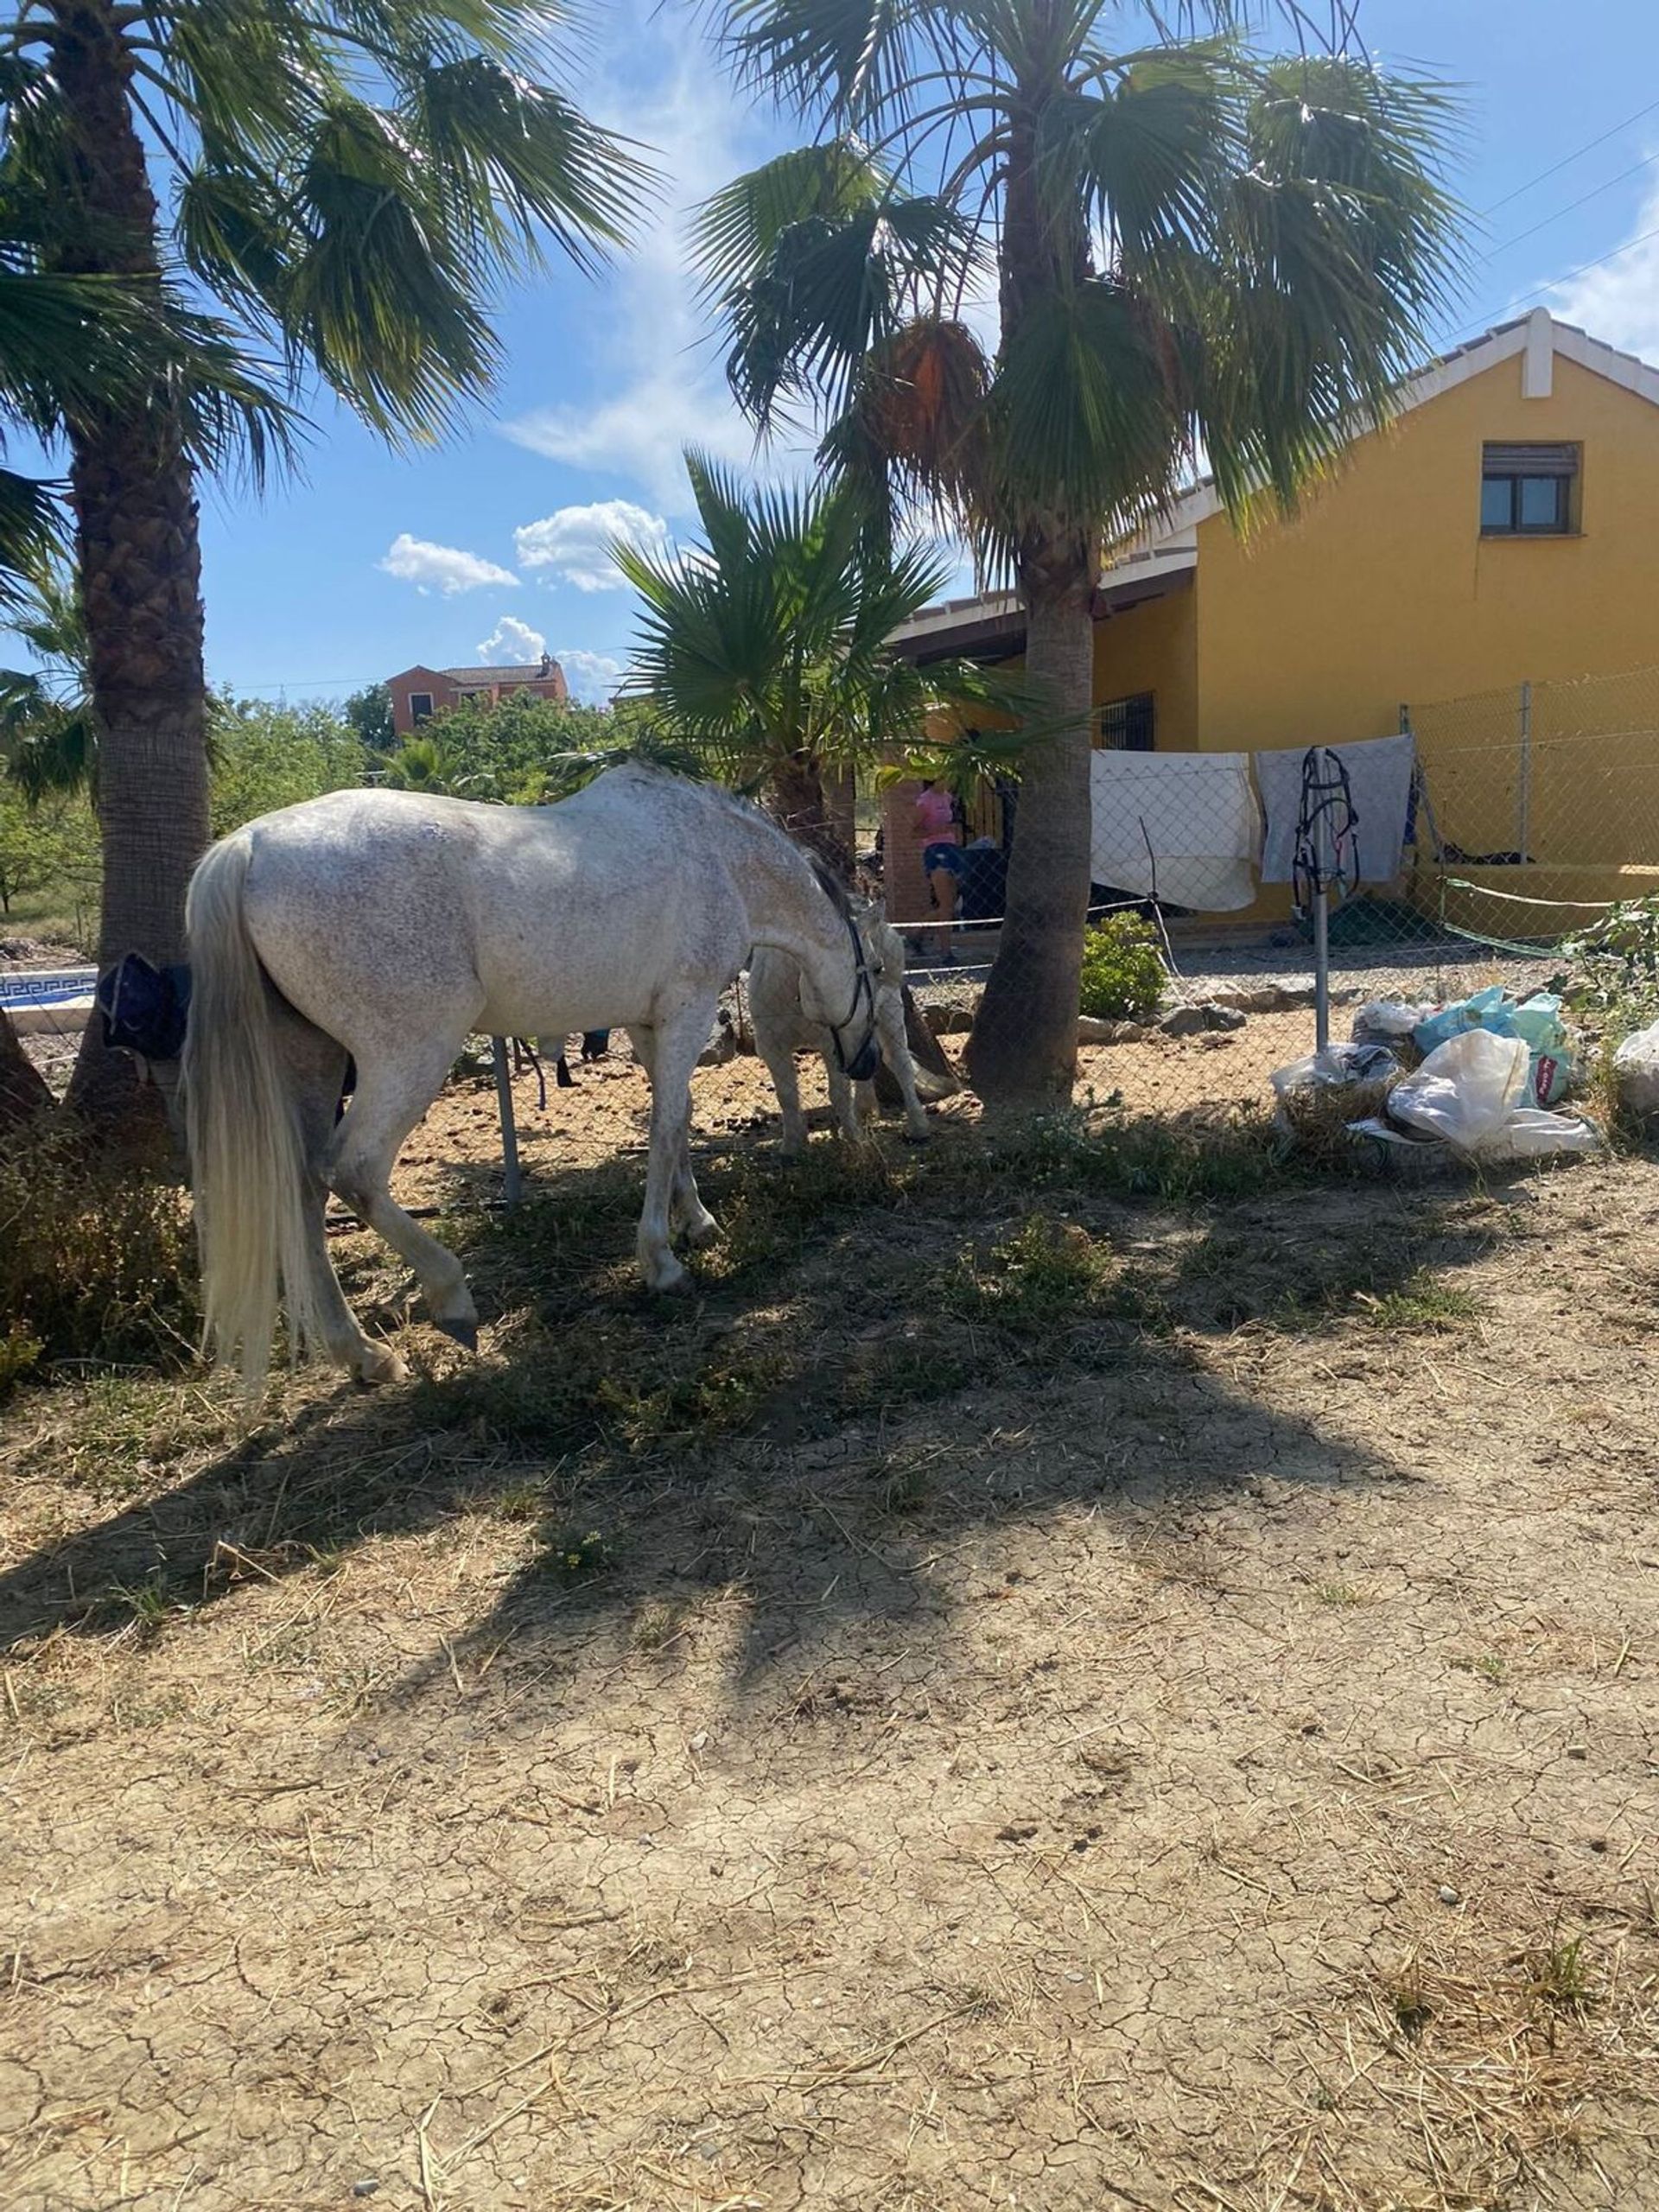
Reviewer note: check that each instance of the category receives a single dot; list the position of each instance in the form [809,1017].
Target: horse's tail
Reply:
[246,1155]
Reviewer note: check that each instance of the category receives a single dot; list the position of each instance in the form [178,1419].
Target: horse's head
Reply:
[857,1051]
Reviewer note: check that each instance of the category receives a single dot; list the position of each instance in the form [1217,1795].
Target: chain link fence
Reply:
[1489,831]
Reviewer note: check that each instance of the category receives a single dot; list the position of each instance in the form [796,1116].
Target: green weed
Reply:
[1561,1975]
[1045,1272]
[574,1555]
[148,1605]
[1422,1302]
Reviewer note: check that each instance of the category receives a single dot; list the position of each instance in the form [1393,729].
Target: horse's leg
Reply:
[787,1082]
[391,1098]
[842,1104]
[686,1209]
[316,1069]
[895,1051]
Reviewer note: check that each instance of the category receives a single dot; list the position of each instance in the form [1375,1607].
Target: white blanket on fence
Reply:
[1379,774]
[1181,827]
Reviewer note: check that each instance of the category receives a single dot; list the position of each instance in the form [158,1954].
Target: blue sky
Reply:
[488,547]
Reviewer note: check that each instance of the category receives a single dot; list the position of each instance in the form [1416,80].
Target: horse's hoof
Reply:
[917,1136]
[669,1281]
[700,1234]
[464,1332]
[378,1363]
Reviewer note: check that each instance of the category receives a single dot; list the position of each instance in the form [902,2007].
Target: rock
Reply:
[365,2188]
[1189,1020]
[1448,1895]
[951,1017]
[723,1046]
[1092,1030]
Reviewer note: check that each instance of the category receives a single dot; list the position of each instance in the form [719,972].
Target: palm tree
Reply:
[765,650]
[48,737]
[346,182]
[1194,249]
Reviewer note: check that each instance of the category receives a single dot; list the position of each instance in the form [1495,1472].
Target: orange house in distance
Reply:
[420,693]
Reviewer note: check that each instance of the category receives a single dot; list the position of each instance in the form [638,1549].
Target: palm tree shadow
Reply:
[805,1432]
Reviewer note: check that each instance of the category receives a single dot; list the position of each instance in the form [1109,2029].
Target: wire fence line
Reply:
[1491,830]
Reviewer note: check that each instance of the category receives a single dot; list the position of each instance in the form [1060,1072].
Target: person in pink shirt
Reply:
[936,818]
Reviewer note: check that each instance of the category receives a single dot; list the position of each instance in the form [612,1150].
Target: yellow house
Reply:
[1500,530]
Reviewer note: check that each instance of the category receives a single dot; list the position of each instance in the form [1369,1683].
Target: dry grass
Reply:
[1076,1672]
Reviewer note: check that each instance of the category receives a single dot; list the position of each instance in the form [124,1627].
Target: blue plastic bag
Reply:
[1537,1021]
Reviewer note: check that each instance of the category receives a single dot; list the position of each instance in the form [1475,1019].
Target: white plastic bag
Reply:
[1471,1092]
[1635,1070]
[1385,1021]
[1336,1068]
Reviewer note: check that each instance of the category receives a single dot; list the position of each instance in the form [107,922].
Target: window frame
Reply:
[416,716]
[1501,463]
[1139,712]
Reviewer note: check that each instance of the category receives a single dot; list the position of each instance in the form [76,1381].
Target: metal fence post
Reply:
[511,1182]
[1523,781]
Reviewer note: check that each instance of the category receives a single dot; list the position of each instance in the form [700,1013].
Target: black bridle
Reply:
[863,991]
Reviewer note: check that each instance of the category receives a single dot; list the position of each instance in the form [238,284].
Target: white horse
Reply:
[786,1021]
[387,926]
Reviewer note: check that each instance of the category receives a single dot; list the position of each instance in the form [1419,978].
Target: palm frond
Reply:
[847,58]
[1339,249]
[1088,422]
[512,158]
[1147,143]
[31,536]
[48,734]
[811,261]
[375,296]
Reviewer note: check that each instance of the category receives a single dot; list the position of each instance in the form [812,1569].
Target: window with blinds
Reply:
[1529,491]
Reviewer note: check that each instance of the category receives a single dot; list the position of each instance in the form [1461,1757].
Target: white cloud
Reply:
[593,677]
[658,364]
[511,644]
[440,567]
[573,542]
[1619,302]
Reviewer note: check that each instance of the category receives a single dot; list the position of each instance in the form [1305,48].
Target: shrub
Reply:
[95,1256]
[1122,969]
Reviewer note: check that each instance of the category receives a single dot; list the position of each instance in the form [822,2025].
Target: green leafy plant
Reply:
[1122,969]
[1613,974]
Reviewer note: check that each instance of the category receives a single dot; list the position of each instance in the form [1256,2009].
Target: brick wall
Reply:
[902,841]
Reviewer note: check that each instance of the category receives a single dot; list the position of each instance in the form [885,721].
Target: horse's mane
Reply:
[831,884]
[736,802]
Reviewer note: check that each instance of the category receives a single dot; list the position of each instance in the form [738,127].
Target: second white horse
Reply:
[787,1020]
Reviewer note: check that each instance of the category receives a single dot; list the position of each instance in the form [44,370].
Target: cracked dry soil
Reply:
[1198,1761]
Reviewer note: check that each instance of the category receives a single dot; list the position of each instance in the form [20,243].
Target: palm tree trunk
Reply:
[803,806]
[139,558]
[23,1090]
[1023,1051]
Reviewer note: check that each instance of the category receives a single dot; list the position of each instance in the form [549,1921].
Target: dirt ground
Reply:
[1013,1694]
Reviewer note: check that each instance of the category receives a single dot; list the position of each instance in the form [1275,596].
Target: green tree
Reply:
[369,713]
[1194,248]
[519,750]
[348,183]
[44,843]
[765,647]
[264,757]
